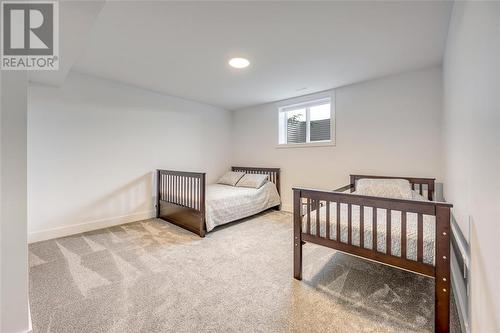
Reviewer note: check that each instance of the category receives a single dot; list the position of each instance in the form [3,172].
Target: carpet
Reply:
[151,276]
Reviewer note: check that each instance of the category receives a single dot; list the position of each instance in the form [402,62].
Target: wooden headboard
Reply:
[273,173]
[422,185]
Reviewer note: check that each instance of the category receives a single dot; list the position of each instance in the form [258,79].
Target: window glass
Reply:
[307,122]
[320,123]
[296,126]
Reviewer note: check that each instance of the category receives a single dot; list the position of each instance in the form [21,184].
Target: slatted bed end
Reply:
[181,199]
[309,226]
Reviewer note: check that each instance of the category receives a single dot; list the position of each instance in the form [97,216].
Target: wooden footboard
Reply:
[181,199]
[307,201]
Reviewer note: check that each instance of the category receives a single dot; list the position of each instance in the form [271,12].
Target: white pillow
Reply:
[252,180]
[386,188]
[230,178]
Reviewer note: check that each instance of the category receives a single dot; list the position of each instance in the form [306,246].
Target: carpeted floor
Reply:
[151,276]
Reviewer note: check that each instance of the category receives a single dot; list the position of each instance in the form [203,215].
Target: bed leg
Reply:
[297,236]
[297,259]
[442,273]
[202,230]
[442,314]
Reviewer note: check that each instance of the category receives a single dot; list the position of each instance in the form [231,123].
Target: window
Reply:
[307,123]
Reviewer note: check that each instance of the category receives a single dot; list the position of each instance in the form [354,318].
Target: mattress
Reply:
[226,203]
[411,229]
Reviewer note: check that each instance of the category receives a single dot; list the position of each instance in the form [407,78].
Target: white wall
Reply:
[472,147]
[93,146]
[389,126]
[14,310]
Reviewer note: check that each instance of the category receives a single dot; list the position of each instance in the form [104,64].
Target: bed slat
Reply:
[166,184]
[318,230]
[190,192]
[169,196]
[374,229]
[403,235]
[420,238]
[388,230]
[308,223]
[193,198]
[186,193]
[339,239]
[179,190]
[349,224]
[199,194]
[161,191]
[362,226]
[171,188]
[183,193]
[327,205]
[193,195]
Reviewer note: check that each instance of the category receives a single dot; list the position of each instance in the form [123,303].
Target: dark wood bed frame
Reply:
[311,200]
[181,196]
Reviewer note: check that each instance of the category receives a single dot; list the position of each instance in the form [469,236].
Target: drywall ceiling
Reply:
[295,48]
[76,18]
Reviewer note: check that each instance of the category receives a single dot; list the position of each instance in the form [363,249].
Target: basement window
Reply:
[308,123]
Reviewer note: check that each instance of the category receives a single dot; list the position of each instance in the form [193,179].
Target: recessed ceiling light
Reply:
[239,62]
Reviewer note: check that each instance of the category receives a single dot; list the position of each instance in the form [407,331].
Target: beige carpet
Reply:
[151,276]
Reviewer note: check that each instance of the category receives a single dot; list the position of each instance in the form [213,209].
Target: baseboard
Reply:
[30,323]
[287,208]
[62,231]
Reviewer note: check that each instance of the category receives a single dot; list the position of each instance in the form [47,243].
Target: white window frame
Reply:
[300,103]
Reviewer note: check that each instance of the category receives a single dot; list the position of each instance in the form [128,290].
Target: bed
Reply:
[184,199]
[411,234]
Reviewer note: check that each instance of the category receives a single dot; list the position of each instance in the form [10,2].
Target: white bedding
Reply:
[411,219]
[226,203]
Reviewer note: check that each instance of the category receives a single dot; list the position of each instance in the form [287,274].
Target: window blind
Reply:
[320,130]
[296,131]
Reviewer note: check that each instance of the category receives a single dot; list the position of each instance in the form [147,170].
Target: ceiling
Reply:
[76,19]
[295,48]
